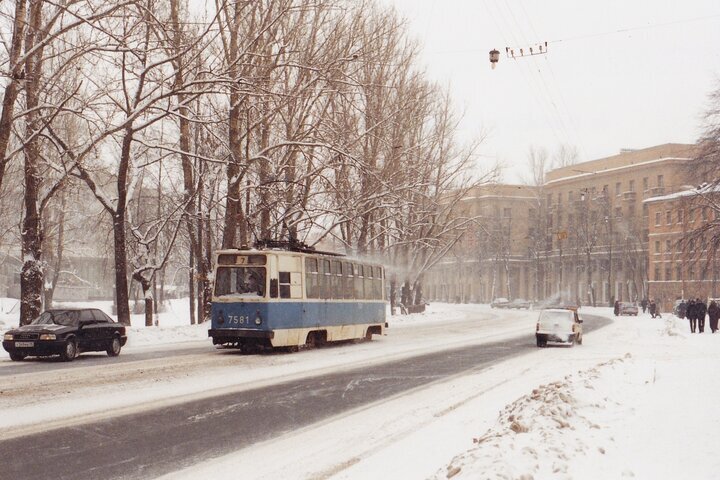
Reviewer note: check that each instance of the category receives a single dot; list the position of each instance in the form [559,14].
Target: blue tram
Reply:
[280,294]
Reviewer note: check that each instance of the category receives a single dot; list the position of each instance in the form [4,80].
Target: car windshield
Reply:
[58,317]
[244,281]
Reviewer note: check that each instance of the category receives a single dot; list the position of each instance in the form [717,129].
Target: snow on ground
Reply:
[635,401]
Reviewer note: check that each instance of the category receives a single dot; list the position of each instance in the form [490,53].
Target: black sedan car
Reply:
[66,332]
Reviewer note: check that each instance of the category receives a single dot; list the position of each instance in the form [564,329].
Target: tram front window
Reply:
[245,281]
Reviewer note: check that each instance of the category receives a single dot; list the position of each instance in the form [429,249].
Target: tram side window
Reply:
[377,283]
[336,279]
[326,291]
[348,286]
[367,273]
[312,282]
[284,284]
[358,283]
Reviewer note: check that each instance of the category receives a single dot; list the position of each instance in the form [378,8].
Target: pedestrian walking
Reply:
[644,304]
[714,315]
[691,312]
[616,308]
[701,309]
[653,308]
[682,309]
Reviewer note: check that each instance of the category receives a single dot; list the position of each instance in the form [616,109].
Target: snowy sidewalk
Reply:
[647,414]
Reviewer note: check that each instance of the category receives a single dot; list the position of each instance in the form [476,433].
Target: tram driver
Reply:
[252,283]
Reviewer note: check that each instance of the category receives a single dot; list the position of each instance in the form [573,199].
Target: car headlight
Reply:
[8,336]
[47,336]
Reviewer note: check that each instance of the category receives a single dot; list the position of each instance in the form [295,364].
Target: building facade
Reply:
[681,257]
[580,237]
[491,260]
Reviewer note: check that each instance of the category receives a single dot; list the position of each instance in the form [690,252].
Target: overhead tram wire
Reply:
[589,35]
[552,114]
[564,105]
[538,73]
[502,29]
[555,125]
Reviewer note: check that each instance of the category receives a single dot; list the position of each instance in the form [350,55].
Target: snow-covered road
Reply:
[623,405]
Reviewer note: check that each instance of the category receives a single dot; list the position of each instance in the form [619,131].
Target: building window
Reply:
[657,247]
[631,186]
[668,217]
[657,273]
[631,210]
[678,272]
[680,216]
[549,199]
[645,210]
[645,183]
[507,212]
[668,247]
[660,181]
[668,272]
[618,212]
[570,196]
[618,187]
[657,219]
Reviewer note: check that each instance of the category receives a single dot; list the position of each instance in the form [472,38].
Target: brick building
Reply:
[677,268]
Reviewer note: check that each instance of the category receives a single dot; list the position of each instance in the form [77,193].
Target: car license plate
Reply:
[24,344]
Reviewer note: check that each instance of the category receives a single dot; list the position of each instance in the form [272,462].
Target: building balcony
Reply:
[629,196]
[655,192]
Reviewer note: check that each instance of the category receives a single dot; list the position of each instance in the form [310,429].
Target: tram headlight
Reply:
[258,320]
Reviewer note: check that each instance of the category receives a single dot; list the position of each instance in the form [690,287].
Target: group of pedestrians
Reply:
[650,306]
[696,310]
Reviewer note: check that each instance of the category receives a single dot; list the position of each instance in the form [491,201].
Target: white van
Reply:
[558,325]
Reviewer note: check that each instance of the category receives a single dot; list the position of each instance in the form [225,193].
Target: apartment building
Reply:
[681,264]
[581,237]
[598,223]
[491,260]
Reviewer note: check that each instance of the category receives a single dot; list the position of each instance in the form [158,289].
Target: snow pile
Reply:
[543,432]
[160,335]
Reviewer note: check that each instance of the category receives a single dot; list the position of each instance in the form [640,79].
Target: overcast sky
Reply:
[618,73]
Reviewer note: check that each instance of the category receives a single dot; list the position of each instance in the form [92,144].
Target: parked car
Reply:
[500,302]
[628,308]
[66,332]
[558,325]
[520,303]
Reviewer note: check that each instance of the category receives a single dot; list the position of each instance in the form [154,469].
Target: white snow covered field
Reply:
[636,400]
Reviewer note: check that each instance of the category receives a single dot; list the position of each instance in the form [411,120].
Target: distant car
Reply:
[519,303]
[66,332]
[500,302]
[628,308]
[558,325]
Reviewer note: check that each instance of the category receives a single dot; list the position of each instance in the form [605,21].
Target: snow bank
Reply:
[645,414]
